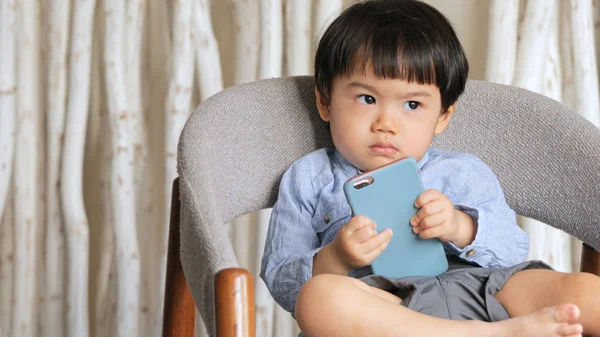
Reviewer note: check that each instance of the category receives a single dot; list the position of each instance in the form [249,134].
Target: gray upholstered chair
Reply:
[238,143]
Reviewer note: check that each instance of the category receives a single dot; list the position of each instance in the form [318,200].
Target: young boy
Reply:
[388,74]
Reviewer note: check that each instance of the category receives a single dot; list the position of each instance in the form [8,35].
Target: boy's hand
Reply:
[357,243]
[437,218]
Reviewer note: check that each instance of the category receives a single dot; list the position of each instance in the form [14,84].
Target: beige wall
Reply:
[469,17]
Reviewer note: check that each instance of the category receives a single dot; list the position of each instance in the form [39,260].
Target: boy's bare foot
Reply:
[555,321]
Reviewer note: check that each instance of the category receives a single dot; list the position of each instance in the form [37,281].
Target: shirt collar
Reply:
[352,170]
[423,161]
[345,165]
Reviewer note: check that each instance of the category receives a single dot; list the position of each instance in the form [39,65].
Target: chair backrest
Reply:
[238,143]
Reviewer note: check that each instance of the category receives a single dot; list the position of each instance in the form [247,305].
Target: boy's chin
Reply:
[376,162]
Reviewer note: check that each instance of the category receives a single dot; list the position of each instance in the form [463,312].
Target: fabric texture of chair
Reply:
[238,143]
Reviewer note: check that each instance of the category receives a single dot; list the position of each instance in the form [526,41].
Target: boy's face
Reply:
[375,121]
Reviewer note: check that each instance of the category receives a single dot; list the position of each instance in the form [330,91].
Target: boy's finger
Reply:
[376,241]
[431,221]
[416,229]
[377,251]
[357,222]
[416,219]
[364,233]
[427,197]
[431,208]
[431,233]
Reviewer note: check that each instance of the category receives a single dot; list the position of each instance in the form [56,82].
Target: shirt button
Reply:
[471,252]
[326,219]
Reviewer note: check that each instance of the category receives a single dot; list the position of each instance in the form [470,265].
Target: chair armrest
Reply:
[590,260]
[179,310]
[234,303]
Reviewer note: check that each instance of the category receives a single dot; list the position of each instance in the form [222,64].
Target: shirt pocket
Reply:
[327,221]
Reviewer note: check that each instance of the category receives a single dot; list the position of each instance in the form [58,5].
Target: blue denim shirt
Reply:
[311,208]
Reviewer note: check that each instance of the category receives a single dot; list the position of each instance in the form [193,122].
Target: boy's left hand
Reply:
[436,218]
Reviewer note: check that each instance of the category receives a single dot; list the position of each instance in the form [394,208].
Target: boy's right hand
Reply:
[357,244]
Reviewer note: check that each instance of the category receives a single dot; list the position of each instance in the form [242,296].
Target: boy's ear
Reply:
[322,105]
[444,119]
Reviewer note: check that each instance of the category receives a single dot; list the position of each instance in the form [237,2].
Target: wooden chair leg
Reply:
[590,260]
[179,309]
[234,303]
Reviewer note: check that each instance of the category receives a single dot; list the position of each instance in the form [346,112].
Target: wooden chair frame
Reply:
[179,310]
[234,290]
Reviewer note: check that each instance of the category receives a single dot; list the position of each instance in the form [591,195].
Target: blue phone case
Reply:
[388,199]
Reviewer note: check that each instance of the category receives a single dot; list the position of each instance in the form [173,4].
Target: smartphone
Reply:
[387,195]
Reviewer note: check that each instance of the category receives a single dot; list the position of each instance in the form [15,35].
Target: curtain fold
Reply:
[541,48]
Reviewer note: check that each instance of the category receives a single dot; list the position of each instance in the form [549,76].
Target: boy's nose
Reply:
[384,123]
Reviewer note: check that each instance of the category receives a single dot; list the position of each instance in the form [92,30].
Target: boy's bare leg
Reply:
[529,290]
[377,292]
[332,305]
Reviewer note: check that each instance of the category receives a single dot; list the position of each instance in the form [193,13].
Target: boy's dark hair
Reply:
[401,39]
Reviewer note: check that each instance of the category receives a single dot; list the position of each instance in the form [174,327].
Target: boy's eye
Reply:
[411,105]
[366,99]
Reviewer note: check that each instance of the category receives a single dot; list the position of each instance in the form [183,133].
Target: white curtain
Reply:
[93,95]
[546,46]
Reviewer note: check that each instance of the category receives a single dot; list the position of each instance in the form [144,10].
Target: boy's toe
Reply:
[565,313]
[570,330]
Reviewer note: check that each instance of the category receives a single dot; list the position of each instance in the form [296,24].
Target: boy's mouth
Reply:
[383,148]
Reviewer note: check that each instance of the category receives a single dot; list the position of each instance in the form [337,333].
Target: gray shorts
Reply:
[464,292]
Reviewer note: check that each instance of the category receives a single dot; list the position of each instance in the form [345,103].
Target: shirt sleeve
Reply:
[499,241]
[291,240]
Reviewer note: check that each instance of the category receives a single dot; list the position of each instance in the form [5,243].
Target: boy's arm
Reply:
[291,242]
[326,262]
[467,228]
[498,240]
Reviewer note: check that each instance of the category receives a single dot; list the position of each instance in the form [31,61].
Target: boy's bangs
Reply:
[390,61]
[406,40]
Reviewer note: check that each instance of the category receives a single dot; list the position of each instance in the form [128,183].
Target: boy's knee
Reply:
[318,289]
[580,286]
[317,299]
